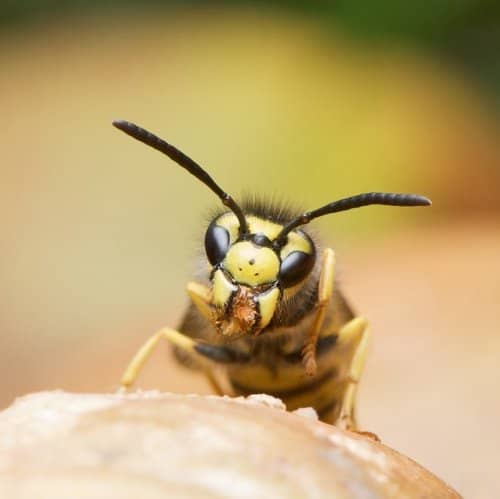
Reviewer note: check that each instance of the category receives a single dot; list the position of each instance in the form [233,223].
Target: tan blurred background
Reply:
[100,234]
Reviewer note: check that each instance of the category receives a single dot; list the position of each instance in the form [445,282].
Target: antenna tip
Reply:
[425,201]
[121,124]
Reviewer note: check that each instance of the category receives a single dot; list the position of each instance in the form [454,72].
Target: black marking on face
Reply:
[261,240]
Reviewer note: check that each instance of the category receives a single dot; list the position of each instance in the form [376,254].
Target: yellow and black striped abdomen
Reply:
[275,367]
[323,392]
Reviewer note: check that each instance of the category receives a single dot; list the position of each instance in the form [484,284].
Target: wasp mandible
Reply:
[268,314]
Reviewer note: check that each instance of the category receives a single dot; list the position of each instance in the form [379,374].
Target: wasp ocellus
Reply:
[267,315]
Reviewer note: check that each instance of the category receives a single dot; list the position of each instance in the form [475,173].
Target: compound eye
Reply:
[216,243]
[295,268]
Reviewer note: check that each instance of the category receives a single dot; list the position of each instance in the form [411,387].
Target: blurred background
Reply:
[309,101]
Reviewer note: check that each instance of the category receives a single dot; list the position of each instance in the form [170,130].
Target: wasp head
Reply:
[252,270]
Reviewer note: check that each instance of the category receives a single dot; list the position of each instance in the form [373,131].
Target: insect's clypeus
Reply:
[267,317]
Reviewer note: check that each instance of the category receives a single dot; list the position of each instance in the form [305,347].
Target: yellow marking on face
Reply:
[257,225]
[296,242]
[222,289]
[250,264]
[231,224]
[267,306]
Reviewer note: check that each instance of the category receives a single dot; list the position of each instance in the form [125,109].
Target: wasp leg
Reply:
[194,321]
[205,352]
[325,291]
[200,296]
[197,318]
[140,358]
[214,382]
[353,335]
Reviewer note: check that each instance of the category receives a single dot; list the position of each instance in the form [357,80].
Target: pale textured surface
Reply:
[149,444]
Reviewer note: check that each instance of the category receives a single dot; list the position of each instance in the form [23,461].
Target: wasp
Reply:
[266,315]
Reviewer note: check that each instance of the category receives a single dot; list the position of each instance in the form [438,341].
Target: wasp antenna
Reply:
[186,162]
[357,201]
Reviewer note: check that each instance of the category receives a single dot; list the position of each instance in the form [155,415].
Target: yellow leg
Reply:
[214,382]
[200,296]
[136,364]
[325,291]
[353,335]
[207,354]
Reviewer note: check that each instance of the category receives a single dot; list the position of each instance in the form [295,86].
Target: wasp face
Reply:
[251,271]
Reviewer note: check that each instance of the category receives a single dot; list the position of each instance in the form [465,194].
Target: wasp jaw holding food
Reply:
[243,316]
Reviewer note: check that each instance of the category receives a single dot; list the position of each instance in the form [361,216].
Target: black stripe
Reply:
[324,344]
[287,392]
[221,354]
[323,411]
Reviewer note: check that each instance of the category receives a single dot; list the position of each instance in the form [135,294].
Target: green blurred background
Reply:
[308,101]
